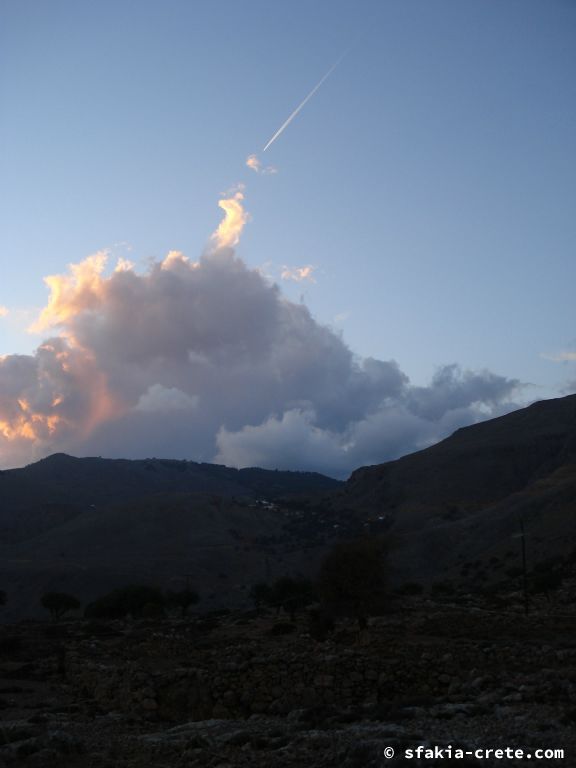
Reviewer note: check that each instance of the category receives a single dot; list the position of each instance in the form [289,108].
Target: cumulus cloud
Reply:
[208,360]
[73,293]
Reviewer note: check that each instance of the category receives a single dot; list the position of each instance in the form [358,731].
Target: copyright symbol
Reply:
[388,752]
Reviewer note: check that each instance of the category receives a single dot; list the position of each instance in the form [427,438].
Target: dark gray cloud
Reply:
[385,433]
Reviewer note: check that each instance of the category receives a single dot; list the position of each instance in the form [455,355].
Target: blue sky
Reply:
[430,181]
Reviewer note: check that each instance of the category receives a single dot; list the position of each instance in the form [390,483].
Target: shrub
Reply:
[261,594]
[352,579]
[442,588]
[182,599]
[292,595]
[136,599]
[545,581]
[411,588]
[289,594]
[320,624]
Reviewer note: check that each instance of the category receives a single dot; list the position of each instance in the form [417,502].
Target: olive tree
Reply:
[352,579]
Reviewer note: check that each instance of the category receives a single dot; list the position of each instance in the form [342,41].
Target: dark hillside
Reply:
[465,498]
[56,489]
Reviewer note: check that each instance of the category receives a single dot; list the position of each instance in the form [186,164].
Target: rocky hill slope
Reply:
[467,500]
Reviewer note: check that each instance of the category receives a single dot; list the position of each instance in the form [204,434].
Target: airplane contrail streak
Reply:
[287,122]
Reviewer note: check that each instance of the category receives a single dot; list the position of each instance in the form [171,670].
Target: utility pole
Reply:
[524,571]
[522,537]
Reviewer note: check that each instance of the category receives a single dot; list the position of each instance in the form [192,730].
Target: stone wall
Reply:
[170,675]
[262,678]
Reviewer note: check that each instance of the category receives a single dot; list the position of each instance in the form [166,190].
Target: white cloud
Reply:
[386,431]
[299,274]
[160,398]
[566,356]
[341,318]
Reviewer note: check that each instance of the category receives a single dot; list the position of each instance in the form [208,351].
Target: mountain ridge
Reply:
[455,508]
[65,485]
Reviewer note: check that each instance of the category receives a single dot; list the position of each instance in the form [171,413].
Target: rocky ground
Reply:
[250,690]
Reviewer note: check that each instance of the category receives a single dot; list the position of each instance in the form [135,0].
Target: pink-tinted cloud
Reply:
[255,164]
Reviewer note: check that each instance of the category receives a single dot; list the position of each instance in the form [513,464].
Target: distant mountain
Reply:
[88,525]
[222,546]
[59,487]
[463,500]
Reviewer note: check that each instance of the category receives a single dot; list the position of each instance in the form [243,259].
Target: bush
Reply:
[411,588]
[137,600]
[11,644]
[545,581]
[442,588]
[182,599]
[261,594]
[289,594]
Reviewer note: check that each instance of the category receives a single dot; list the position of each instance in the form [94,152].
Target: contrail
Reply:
[287,122]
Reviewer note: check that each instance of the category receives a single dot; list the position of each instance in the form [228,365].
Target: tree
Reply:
[137,599]
[261,594]
[59,603]
[183,599]
[352,579]
[320,624]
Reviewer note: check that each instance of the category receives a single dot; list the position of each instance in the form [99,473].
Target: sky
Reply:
[399,262]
